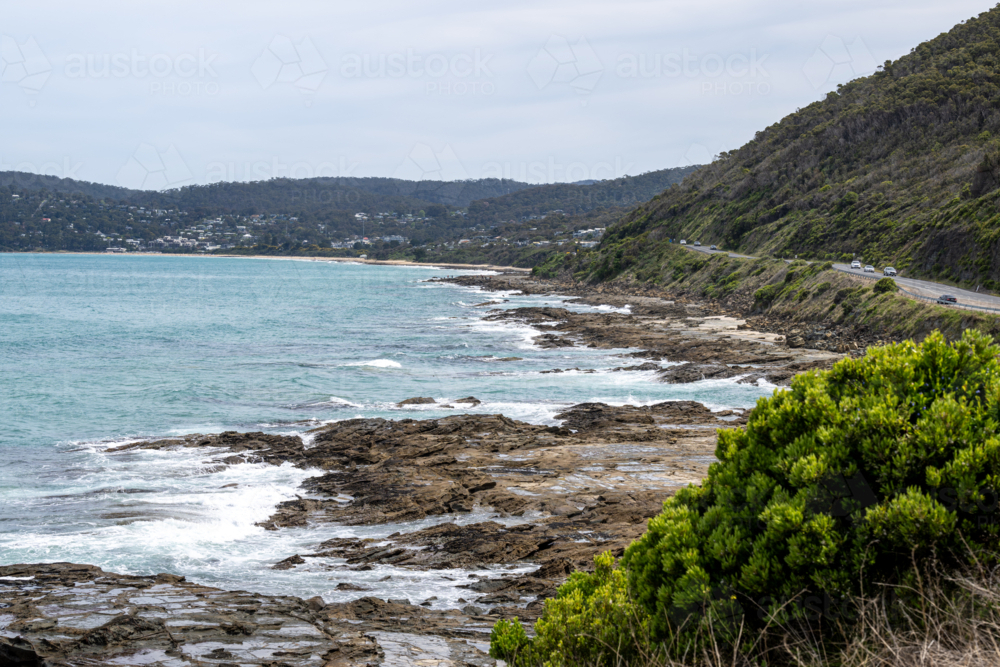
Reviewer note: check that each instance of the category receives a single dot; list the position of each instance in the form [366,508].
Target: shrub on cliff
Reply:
[885,285]
[844,482]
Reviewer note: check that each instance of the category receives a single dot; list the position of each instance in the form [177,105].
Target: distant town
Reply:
[229,232]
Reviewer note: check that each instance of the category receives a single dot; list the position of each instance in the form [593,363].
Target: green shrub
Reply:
[836,486]
[592,621]
[843,479]
[765,296]
[508,640]
[843,294]
[823,287]
[884,285]
[552,265]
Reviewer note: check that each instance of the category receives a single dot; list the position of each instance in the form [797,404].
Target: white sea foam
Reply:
[377,363]
[186,511]
[336,400]
[204,523]
[604,308]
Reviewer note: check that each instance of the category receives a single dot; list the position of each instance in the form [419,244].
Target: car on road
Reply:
[683,242]
[713,248]
[869,269]
[947,298]
[697,243]
[855,264]
[888,271]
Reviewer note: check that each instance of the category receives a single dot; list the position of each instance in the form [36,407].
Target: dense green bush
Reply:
[592,621]
[885,285]
[766,295]
[835,486]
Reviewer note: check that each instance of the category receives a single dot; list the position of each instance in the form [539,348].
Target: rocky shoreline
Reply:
[552,497]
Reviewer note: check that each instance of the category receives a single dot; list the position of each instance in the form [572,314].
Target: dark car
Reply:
[947,298]
[713,248]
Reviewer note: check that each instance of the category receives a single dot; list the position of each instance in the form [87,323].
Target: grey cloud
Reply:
[193,91]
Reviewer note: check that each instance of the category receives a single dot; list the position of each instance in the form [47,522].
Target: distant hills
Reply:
[51,213]
[901,167]
[574,199]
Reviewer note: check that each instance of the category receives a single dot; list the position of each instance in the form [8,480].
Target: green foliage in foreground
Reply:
[841,483]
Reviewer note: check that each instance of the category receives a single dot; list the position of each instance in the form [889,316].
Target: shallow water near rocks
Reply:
[97,351]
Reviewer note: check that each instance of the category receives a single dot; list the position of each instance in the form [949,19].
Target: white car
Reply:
[683,242]
[869,269]
[888,271]
[855,264]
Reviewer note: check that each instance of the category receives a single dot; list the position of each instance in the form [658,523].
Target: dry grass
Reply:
[945,621]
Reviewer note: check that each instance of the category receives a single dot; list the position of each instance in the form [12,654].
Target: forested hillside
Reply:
[901,167]
[361,194]
[288,216]
[619,193]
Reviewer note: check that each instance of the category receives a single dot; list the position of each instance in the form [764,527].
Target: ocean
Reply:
[98,351]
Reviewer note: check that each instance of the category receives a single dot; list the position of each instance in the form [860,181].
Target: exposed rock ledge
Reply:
[577,490]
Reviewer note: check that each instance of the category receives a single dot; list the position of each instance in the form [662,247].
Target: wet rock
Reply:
[692,372]
[186,624]
[552,341]
[347,586]
[419,400]
[796,341]
[18,652]
[122,629]
[648,366]
[468,400]
[289,563]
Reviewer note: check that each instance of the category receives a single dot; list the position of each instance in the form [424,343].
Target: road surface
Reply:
[707,251]
[932,290]
[924,288]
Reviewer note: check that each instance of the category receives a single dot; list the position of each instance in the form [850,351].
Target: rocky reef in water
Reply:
[552,496]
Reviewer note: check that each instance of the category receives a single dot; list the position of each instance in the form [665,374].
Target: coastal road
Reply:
[707,251]
[926,288]
[919,288]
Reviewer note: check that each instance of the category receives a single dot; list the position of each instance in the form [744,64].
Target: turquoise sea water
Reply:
[99,350]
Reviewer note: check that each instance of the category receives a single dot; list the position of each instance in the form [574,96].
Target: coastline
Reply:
[554,497]
[352,260]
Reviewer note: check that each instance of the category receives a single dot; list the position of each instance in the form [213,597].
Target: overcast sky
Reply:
[161,94]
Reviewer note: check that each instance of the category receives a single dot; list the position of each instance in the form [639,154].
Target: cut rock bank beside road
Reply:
[552,497]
